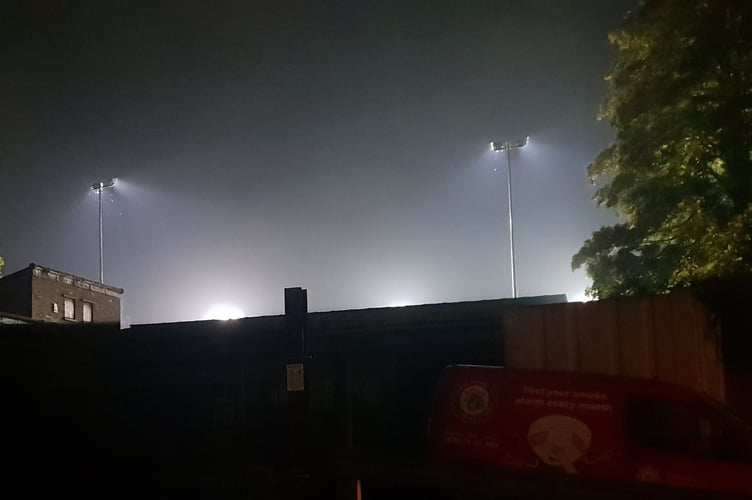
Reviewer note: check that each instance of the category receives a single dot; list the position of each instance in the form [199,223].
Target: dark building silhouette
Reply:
[176,408]
[49,296]
[205,409]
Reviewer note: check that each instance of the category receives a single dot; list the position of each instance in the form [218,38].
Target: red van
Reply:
[597,426]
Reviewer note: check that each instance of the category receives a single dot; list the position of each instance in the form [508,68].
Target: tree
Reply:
[679,173]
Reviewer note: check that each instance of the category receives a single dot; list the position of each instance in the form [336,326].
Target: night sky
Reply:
[339,146]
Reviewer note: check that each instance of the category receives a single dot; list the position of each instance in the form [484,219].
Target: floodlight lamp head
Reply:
[497,147]
[99,186]
[519,143]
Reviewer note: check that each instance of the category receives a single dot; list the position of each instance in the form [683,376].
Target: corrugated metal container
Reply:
[673,338]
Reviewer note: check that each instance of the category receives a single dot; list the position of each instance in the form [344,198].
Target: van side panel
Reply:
[490,417]
[597,426]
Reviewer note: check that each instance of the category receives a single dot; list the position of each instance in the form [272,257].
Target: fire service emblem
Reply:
[472,402]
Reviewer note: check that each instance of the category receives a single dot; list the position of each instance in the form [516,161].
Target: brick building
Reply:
[46,295]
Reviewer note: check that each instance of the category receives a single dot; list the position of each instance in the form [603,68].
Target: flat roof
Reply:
[89,283]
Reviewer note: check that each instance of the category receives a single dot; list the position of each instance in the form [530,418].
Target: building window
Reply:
[70,308]
[674,428]
[87,312]
[54,308]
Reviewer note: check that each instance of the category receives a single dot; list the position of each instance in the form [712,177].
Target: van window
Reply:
[672,427]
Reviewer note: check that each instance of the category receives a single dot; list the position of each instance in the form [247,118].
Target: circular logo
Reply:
[472,402]
[648,474]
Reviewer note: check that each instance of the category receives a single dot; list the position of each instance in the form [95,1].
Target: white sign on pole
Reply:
[295,377]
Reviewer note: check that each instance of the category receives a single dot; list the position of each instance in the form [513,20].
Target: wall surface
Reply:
[673,338]
[49,288]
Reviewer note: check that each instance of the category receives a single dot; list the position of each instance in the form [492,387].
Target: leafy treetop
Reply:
[679,174]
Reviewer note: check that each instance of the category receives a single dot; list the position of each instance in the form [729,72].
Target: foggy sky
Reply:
[338,146]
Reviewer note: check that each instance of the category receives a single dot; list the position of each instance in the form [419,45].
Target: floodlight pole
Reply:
[101,238]
[99,187]
[511,221]
[508,147]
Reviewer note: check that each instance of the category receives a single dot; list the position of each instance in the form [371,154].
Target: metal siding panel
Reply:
[523,338]
[665,360]
[636,342]
[686,340]
[597,344]
[668,337]
[705,366]
[714,383]
[560,336]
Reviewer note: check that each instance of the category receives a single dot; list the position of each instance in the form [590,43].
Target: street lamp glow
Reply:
[508,146]
[98,187]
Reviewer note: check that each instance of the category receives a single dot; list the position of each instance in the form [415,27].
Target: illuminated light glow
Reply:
[401,303]
[498,147]
[580,297]
[101,185]
[223,312]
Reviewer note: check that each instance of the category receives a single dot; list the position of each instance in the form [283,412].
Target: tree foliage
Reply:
[679,174]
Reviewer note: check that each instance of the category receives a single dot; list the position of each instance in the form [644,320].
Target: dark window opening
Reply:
[672,427]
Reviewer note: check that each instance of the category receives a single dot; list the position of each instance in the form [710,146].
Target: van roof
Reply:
[623,384]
